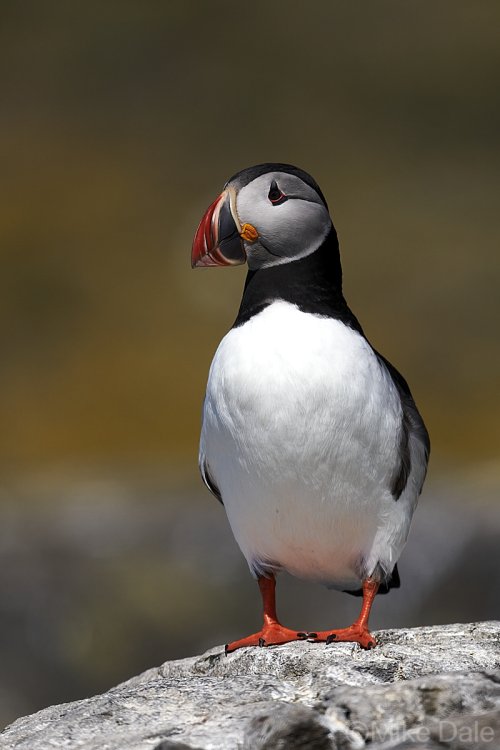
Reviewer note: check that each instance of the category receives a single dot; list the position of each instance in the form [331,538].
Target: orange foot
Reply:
[270,635]
[355,633]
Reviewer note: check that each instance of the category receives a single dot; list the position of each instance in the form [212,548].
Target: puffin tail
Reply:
[393,582]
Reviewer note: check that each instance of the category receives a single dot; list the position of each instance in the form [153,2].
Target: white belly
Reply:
[300,432]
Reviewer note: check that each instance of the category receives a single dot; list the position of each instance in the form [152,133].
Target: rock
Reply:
[287,726]
[421,688]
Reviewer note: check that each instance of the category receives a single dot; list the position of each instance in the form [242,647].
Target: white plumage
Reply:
[301,428]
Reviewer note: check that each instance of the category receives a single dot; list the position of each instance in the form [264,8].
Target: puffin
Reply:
[310,438]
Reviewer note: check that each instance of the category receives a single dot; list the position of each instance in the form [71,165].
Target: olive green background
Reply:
[119,123]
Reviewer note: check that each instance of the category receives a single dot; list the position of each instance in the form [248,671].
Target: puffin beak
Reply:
[219,238]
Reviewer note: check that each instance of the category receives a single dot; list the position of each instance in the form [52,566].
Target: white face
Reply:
[288,228]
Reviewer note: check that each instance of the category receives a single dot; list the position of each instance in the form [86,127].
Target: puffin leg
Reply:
[272,632]
[357,632]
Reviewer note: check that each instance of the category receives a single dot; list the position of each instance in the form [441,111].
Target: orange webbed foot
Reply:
[272,634]
[354,633]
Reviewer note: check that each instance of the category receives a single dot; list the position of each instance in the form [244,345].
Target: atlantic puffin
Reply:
[310,438]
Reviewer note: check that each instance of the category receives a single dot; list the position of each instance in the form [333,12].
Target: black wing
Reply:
[412,426]
[205,475]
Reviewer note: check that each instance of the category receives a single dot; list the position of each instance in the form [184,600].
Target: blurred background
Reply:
[119,123]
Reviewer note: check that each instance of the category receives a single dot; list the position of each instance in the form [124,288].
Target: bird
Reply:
[310,438]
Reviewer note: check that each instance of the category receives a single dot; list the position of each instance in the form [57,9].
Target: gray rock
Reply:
[287,726]
[421,688]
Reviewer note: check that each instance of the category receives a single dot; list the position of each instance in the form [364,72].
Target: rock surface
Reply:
[422,688]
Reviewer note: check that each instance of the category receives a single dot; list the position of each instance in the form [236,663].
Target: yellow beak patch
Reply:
[249,233]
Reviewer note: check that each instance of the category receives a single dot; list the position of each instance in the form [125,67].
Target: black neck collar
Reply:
[313,284]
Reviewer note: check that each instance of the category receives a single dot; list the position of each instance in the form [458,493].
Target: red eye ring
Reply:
[278,198]
[275,195]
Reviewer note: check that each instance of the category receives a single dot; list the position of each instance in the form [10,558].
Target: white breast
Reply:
[300,433]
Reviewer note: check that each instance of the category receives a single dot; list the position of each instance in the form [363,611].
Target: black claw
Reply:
[312,635]
[301,635]
[262,642]
[226,649]
[331,638]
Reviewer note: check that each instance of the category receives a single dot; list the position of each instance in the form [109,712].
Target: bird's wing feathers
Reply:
[203,463]
[206,476]
[412,428]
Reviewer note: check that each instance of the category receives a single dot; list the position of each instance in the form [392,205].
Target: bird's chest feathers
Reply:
[291,384]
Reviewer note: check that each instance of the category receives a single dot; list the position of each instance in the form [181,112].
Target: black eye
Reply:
[275,195]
